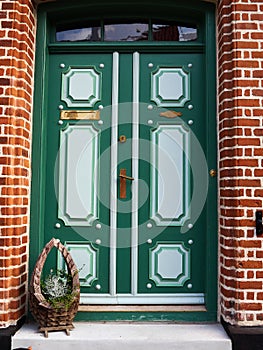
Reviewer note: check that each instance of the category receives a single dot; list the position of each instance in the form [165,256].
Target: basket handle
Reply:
[35,280]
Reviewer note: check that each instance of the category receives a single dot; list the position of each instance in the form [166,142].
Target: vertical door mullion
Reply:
[114,162]
[135,173]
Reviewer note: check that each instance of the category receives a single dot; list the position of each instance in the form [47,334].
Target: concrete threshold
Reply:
[126,336]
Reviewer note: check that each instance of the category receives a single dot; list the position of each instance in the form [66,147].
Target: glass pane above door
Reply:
[126,32]
[138,30]
[89,33]
[173,32]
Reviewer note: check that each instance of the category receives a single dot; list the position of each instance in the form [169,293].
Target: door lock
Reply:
[122,138]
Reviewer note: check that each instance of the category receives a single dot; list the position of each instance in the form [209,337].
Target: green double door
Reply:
[126,176]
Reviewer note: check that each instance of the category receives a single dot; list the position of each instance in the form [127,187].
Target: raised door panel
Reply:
[171,254]
[81,87]
[79,175]
[77,182]
[170,175]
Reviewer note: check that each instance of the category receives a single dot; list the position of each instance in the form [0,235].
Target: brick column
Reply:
[240,54]
[17,42]
[240,73]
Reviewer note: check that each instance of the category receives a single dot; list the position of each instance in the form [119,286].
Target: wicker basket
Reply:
[49,318]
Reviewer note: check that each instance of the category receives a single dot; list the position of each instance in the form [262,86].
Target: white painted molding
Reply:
[135,171]
[114,175]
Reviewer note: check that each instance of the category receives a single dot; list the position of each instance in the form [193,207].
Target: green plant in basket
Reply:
[57,289]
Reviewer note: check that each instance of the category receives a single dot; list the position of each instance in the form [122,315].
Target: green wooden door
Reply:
[137,238]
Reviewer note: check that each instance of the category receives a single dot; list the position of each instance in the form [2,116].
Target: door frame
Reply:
[48,15]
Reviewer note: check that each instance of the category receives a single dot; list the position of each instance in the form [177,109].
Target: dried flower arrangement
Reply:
[57,289]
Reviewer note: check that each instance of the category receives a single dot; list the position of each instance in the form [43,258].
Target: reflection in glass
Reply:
[126,32]
[82,34]
[173,32]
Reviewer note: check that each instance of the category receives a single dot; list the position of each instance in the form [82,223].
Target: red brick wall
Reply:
[17,40]
[240,73]
[240,54]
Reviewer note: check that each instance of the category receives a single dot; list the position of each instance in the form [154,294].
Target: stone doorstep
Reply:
[126,336]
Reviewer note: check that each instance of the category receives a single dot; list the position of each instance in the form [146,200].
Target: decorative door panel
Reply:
[77,174]
[171,249]
[81,87]
[169,193]
[170,86]
[120,132]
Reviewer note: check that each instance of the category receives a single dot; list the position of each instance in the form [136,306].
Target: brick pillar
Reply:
[17,42]
[240,73]
[240,54]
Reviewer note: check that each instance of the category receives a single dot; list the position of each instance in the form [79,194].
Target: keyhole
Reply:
[122,138]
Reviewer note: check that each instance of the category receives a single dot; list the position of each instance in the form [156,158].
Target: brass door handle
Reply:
[126,177]
[123,178]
